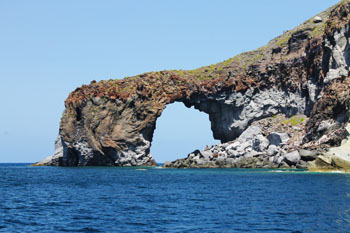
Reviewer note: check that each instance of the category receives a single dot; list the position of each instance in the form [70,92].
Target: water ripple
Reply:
[50,199]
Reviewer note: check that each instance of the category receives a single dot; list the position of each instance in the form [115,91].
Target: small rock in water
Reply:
[166,164]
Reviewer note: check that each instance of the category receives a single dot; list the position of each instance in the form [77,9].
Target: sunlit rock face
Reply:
[303,71]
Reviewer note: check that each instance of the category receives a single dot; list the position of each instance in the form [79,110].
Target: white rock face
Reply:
[292,158]
[232,113]
[137,156]
[249,134]
[340,55]
[85,151]
[54,159]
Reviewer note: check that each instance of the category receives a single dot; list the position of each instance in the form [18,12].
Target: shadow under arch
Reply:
[179,131]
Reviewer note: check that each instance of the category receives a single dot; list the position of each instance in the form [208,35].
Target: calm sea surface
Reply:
[106,199]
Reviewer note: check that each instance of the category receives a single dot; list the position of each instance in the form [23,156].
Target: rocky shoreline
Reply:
[269,143]
[297,159]
[261,146]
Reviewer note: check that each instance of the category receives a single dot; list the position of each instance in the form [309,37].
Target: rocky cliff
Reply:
[305,71]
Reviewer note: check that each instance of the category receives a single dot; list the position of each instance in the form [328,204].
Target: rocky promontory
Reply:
[302,74]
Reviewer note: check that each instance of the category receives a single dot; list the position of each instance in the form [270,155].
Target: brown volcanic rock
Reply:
[112,122]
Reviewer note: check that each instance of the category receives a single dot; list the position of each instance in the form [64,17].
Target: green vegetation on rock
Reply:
[294,120]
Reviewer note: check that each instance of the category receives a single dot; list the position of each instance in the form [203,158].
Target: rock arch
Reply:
[107,131]
[180,130]
[112,122]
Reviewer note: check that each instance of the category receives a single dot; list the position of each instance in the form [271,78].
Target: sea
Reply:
[153,199]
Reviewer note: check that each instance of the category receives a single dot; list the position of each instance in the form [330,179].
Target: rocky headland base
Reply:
[284,105]
[274,142]
[269,143]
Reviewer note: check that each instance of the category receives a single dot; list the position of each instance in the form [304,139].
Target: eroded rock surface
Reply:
[304,71]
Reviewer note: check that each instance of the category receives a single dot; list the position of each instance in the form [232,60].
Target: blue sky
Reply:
[48,48]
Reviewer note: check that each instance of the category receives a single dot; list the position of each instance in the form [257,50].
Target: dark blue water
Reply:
[55,199]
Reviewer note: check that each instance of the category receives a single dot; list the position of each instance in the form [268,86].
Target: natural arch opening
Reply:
[179,131]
